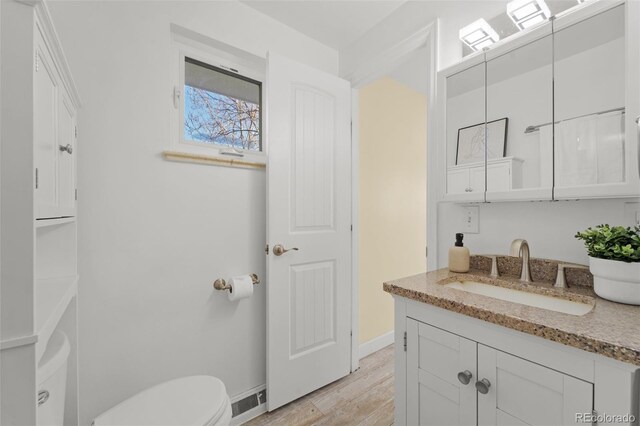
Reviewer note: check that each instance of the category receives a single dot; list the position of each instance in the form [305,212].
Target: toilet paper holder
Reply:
[221,284]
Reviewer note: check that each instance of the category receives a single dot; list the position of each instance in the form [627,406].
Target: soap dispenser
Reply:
[459,256]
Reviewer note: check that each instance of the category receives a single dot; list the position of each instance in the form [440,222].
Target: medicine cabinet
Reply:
[550,114]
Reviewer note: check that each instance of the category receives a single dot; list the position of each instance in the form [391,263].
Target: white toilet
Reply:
[188,401]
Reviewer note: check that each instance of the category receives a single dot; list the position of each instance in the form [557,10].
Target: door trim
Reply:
[367,72]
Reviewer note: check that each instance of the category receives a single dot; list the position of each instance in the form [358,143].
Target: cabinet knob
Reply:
[483,386]
[43,396]
[465,377]
[67,148]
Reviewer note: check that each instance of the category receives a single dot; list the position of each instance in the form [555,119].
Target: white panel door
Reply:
[45,88]
[66,158]
[309,213]
[435,358]
[520,392]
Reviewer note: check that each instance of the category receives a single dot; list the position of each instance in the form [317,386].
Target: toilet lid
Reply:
[195,400]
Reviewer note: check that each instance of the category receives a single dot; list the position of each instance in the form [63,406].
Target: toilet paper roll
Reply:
[241,287]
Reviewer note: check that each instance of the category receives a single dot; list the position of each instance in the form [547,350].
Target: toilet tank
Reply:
[52,381]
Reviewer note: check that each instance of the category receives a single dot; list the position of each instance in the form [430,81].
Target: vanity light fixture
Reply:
[478,35]
[527,13]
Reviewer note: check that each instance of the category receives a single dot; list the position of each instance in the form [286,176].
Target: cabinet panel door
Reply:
[465,129]
[66,159]
[520,97]
[458,181]
[498,177]
[476,179]
[434,359]
[595,148]
[45,135]
[528,392]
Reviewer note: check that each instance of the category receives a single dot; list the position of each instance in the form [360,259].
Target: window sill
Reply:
[216,160]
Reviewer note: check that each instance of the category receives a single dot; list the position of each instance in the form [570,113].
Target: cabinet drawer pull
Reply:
[464,377]
[67,148]
[483,386]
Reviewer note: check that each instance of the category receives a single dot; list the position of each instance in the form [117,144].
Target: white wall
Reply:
[549,227]
[153,235]
[413,16]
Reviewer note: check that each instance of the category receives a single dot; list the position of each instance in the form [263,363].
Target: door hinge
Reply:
[266,249]
[36,178]
[76,131]
[405,341]
[426,252]
[351,228]
[37,62]
[76,194]
[176,97]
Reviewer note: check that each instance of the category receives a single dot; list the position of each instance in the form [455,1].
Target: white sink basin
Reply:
[523,297]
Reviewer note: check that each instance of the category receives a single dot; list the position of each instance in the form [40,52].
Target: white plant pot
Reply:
[615,280]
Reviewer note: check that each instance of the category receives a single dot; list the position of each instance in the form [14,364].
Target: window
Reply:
[221,107]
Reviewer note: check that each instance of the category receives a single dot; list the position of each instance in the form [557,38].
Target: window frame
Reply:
[228,63]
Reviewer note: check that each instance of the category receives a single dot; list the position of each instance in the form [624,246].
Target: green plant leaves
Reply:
[612,242]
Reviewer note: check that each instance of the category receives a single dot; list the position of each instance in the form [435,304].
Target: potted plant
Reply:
[614,261]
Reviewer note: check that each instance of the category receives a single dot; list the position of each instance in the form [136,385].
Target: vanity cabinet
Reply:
[562,97]
[442,371]
[452,369]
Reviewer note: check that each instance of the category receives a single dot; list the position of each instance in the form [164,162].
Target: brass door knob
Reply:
[279,249]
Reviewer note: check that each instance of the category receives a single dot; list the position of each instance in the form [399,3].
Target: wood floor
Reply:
[364,397]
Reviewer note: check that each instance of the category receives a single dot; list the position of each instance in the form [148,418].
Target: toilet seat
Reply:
[188,401]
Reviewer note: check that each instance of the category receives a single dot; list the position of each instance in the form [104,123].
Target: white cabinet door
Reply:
[435,395]
[66,157]
[45,88]
[520,392]
[458,181]
[476,179]
[499,177]
[54,139]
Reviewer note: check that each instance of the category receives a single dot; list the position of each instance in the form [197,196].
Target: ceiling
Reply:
[336,23]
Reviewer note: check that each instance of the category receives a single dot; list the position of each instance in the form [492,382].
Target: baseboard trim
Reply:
[374,345]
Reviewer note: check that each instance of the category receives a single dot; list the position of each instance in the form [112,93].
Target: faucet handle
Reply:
[494,267]
[561,280]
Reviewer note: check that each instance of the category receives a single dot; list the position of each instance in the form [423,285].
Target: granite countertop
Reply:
[609,329]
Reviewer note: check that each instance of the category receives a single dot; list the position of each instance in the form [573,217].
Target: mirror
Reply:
[590,100]
[465,132]
[520,95]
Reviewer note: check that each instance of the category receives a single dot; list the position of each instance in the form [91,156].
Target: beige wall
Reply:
[393,173]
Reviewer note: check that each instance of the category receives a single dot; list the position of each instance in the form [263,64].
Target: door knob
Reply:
[67,148]
[483,386]
[465,377]
[279,249]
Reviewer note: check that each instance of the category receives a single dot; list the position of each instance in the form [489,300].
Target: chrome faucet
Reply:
[520,248]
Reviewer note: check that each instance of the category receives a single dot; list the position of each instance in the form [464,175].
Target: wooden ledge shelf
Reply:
[210,159]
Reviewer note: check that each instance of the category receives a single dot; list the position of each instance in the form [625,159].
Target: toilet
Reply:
[188,401]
